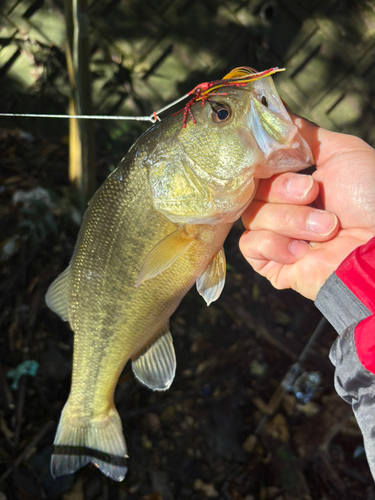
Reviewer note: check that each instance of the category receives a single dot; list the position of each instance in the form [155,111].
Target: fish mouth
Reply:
[278,139]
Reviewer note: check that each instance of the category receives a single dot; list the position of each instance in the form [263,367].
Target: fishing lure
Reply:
[238,77]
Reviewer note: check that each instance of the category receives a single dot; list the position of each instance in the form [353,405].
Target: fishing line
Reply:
[201,91]
[151,118]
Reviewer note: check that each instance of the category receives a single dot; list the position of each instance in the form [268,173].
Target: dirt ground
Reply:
[226,429]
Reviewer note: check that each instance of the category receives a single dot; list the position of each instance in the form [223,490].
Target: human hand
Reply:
[298,246]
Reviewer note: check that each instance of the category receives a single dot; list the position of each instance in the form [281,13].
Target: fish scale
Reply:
[155,227]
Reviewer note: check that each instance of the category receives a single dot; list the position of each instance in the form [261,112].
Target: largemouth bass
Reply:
[155,227]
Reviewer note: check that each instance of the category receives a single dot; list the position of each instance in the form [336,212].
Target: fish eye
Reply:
[221,113]
[264,101]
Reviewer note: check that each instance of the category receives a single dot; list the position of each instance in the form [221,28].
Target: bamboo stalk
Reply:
[81,144]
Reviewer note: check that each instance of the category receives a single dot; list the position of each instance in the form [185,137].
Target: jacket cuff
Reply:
[339,305]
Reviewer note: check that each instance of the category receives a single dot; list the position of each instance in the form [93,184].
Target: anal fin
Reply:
[211,283]
[165,253]
[57,295]
[156,368]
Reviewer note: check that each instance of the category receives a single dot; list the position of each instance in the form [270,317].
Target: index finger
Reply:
[289,187]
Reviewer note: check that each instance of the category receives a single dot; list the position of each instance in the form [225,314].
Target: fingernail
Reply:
[299,186]
[321,222]
[299,248]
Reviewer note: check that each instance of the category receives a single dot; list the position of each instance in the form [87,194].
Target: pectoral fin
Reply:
[164,254]
[57,295]
[156,368]
[211,283]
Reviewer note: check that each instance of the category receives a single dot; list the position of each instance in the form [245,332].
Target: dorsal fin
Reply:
[57,295]
[164,254]
[156,368]
[211,283]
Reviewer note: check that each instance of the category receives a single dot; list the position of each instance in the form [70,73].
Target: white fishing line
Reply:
[151,118]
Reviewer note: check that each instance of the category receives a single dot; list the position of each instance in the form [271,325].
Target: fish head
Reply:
[208,171]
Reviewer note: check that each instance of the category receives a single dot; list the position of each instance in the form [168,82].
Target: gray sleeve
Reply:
[339,305]
[353,382]
[356,386]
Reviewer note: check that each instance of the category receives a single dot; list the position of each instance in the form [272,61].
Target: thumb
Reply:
[323,143]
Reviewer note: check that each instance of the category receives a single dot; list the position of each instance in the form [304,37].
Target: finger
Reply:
[293,221]
[282,268]
[323,143]
[288,188]
[261,247]
[287,263]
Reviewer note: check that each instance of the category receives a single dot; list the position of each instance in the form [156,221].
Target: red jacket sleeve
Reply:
[357,272]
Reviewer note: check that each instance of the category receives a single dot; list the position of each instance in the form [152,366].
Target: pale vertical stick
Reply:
[81,144]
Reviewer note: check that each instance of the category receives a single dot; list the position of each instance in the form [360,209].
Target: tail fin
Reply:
[99,441]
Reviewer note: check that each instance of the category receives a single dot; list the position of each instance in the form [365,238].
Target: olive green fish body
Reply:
[112,319]
[156,227]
